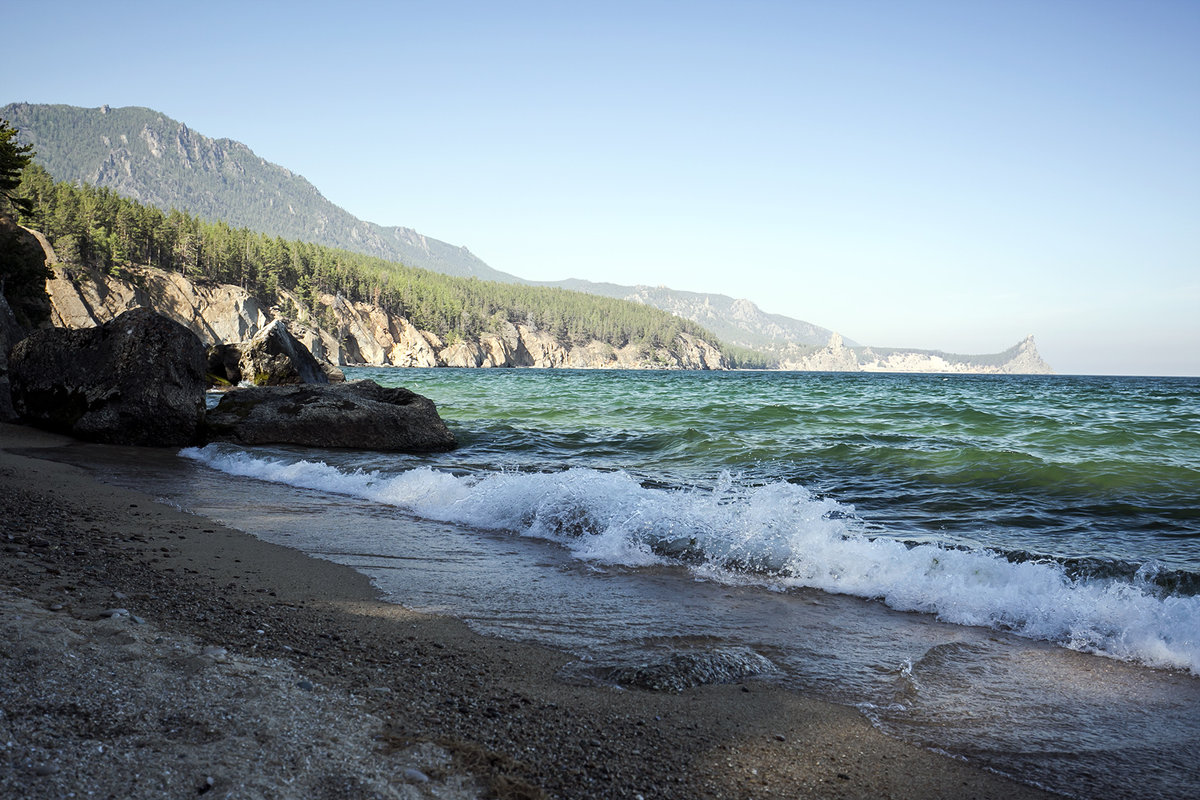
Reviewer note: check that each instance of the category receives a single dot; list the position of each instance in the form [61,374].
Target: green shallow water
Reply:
[1100,470]
[1005,568]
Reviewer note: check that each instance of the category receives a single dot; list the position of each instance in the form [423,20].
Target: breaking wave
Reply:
[778,535]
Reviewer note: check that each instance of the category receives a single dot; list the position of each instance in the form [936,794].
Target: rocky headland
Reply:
[837,356]
[360,333]
[367,335]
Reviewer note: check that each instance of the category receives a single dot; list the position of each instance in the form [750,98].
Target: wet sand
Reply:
[153,653]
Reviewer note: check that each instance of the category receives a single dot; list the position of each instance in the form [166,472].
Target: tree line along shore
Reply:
[95,228]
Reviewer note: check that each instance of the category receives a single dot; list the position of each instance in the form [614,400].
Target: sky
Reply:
[939,175]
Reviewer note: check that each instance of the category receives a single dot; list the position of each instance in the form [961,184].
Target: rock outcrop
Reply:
[371,336]
[359,414]
[274,358]
[25,259]
[217,313]
[366,334]
[137,380]
[10,334]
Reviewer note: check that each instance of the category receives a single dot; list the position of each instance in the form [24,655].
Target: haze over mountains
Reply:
[143,154]
[154,159]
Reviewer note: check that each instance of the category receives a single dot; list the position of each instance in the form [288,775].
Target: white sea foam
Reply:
[779,535]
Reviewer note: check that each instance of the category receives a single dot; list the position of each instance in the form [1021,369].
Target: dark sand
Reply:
[311,637]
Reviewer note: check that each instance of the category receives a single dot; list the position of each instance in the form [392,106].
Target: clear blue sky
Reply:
[950,175]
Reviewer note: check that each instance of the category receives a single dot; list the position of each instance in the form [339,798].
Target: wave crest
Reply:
[778,535]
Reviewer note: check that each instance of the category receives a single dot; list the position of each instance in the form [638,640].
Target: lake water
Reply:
[1006,568]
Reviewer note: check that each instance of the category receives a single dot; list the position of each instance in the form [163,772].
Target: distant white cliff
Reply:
[1021,359]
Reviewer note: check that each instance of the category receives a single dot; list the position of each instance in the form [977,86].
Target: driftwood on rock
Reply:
[361,415]
[137,380]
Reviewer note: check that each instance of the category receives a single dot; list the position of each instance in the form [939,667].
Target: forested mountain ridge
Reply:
[149,157]
[120,246]
[143,154]
[735,321]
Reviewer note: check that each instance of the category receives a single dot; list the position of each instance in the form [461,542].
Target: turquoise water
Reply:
[1101,470]
[1003,567]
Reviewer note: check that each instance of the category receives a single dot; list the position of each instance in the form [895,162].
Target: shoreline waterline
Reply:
[441,681]
[941,557]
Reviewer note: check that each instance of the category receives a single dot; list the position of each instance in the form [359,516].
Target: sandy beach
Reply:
[152,653]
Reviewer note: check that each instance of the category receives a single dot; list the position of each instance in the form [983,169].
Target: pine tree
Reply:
[13,160]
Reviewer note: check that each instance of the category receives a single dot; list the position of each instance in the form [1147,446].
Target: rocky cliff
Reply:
[365,334]
[362,334]
[836,356]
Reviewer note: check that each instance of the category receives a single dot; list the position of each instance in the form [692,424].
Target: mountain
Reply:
[142,154]
[145,155]
[117,253]
[738,322]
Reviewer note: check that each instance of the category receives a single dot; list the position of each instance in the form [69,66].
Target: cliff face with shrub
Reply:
[361,333]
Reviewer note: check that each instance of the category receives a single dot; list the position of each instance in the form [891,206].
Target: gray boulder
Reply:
[137,380]
[273,357]
[361,415]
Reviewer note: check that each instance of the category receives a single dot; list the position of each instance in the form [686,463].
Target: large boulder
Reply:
[273,357]
[137,380]
[361,415]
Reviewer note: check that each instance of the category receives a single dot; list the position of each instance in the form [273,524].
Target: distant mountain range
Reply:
[738,322]
[143,154]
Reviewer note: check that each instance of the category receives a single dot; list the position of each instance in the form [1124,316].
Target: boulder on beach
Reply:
[360,415]
[137,380]
[273,357]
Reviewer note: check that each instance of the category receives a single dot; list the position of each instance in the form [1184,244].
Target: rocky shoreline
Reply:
[150,652]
